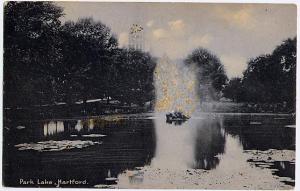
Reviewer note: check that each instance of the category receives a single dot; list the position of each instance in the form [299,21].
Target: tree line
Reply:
[48,62]
[268,78]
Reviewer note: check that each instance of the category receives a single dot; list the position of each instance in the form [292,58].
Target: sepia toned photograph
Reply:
[149,95]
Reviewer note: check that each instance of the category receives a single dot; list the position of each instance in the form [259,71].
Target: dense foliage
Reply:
[210,73]
[47,62]
[30,31]
[268,78]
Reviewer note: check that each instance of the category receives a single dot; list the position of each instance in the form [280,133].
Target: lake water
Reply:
[97,151]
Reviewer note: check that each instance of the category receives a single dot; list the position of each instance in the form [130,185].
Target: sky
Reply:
[233,32]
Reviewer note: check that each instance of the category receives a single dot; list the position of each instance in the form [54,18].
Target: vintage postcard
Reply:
[149,95]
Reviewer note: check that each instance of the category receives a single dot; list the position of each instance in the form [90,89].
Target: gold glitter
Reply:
[175,88]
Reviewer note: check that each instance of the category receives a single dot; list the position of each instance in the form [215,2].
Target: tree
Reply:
[30,46]
[285,56]
[258,79]
[134,77]
[84,71]
[46,62]
[210,72]
[234,90]
[272,78]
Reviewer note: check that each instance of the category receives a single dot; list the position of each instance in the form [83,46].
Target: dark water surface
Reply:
[134,142]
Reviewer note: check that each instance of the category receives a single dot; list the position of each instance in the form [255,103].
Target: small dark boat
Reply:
[176,116]
[110,180]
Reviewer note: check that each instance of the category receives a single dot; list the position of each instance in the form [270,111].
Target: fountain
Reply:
[175,87]
[177,97]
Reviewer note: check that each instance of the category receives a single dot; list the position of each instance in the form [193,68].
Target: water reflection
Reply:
[175,122]
[266,133]
[174,145]
[53,127]
[71,126]
[285,169]
[91,124]
[79,125]
[198,143]
[194,144]
[209,143]
[128,144]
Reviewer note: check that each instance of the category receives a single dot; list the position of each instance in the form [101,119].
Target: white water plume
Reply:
[175,86]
